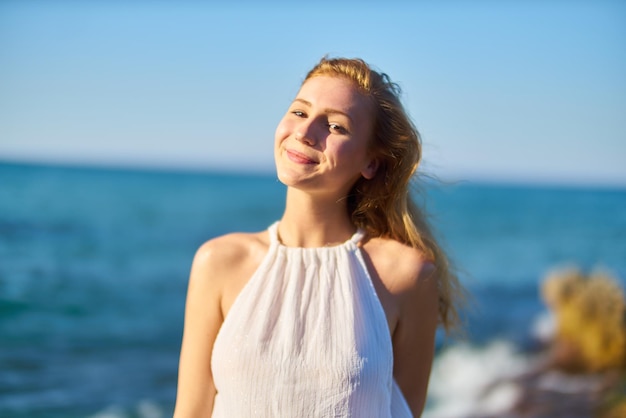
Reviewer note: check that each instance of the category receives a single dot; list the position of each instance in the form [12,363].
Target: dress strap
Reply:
[358,236]
[273,231]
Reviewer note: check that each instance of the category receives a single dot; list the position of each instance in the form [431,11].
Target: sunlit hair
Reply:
[382,205]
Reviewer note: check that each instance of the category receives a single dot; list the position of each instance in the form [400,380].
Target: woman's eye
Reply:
[337,128]
[298,113]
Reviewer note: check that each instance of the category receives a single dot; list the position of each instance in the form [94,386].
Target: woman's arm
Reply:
[203,318]
[414,337]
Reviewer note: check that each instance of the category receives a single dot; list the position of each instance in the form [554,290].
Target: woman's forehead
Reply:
[338,93]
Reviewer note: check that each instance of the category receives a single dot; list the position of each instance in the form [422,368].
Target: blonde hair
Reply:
[382,205]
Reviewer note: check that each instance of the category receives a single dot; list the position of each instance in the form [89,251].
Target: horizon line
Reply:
[450,179]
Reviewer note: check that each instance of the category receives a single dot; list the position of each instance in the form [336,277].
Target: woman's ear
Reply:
[370,170]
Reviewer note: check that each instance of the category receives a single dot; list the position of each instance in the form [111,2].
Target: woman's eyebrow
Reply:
[297,99]
[327,111]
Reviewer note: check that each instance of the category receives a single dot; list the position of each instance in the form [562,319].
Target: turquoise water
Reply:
[94,265]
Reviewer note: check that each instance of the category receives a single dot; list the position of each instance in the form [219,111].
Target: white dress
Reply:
[307,337]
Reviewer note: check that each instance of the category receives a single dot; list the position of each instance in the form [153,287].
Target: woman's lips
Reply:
[299,158]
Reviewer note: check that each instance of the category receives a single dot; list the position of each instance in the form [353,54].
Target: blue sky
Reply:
[516,90]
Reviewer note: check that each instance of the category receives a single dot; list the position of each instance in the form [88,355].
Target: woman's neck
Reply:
[311,220]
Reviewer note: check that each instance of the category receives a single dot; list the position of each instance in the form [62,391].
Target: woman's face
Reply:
[322,143]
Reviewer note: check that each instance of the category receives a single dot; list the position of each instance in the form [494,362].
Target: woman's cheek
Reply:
[344,150]
[282,130]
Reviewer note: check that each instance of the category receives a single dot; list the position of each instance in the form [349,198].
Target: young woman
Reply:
[332,311]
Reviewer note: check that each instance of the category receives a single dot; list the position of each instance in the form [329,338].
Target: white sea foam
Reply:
[144,409]
[148,409]
[469,381]
[556,381]
[113,411]
[543,327]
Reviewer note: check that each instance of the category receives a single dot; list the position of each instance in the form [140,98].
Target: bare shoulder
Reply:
[231,250]
[412,303]
[219,270]
[223,265]
[400,267]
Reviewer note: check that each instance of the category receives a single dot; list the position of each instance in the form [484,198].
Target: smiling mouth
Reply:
[299,158]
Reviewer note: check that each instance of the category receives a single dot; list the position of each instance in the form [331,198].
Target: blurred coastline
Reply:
[94,264]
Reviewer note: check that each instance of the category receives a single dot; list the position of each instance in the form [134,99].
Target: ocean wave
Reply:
[497,380]
[143,409]
[470,381]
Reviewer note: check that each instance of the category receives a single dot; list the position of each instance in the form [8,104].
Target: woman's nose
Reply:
[306,139]
[305,134]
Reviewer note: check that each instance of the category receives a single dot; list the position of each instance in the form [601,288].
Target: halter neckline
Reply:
[353,241]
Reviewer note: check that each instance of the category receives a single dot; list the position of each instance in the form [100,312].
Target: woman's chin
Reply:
[288,177]
[291,177]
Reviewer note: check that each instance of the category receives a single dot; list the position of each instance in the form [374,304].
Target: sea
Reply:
[94,264]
